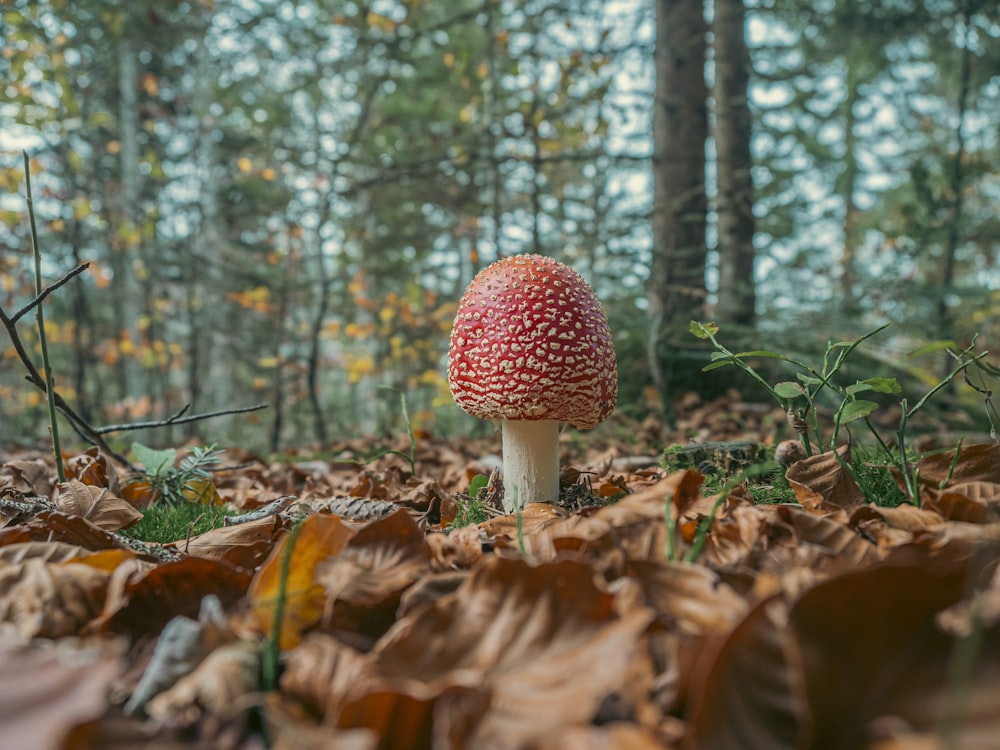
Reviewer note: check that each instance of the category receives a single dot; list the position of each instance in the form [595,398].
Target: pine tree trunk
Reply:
[680,128]
[737,295]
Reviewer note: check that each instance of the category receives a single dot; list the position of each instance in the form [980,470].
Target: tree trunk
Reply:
[680,128]
[126,294]
[737,296]
[851,303]
[956,187]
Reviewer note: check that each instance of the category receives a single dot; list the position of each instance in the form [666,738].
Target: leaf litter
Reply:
[831,623]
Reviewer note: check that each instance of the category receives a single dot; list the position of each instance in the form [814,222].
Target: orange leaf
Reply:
[317,539]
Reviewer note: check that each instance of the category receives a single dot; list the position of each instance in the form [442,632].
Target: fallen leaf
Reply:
[366,579]
[180,647]
[149,598]
[217,684]
[320,672]
[53,526]
[836,539]
[530,635]
[97,504]
[977,463]
[870,647]
[957,507]
[45,691]
[750,696]
[50,600]
[245,545]
[92,467]
[689,596]
[822,484]
[318,538]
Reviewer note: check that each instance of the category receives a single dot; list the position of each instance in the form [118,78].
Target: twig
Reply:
[273,508]
[176,419]
[47,291]
[80,425]
[40,320]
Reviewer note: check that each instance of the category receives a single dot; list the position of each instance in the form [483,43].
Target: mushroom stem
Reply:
[530,462]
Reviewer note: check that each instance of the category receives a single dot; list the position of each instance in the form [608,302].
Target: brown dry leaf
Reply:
[907,517]
[834,538]
[32,476]
[987,493]
[690,596]
[534,518]
[245,545]
[634,528]
[143,599]
[318,538]
[977,463]
[531,635]
[96,504]
[52,552]
[53,526]
[749,695]
[822,485]
[460,549]
[92,468]
[320,671]
[45,691]
[620,736]
[734,535]
[287,729]
[956,507]
[50,600]
[366,579]
[411,715]
[180,647]
[870,648]
[216,685]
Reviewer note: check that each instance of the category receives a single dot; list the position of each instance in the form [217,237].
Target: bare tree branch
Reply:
[47,291]
[175,419]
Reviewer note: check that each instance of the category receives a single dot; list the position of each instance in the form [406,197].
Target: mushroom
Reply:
[531,347]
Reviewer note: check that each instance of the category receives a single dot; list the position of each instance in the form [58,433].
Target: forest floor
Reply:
[645,611]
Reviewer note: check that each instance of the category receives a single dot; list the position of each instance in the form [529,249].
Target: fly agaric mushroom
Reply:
[531,347]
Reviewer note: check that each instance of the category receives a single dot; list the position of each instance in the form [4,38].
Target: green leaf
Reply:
[703,330]
[857,410]
[478,482]
[933,347]
[717,365]
[760,353]
[154,462]
[789,389]
[884,385]
[808,379]
[720,355]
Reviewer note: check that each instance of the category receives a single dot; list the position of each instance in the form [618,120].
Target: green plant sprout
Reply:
[473,510]
[180,483]
[50,392]
[271,645]
[812,383]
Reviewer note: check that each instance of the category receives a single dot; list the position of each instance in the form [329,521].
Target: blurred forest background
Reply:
[283,200]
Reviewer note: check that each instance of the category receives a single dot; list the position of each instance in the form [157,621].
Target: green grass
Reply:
[470,511]
[162,523]
[871,466]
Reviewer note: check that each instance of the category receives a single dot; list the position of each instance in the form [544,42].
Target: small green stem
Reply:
[271,648]
[668,517]
[40,321]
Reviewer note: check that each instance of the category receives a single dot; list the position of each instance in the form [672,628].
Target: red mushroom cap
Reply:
[531,341]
